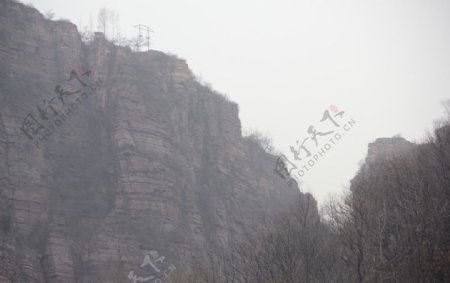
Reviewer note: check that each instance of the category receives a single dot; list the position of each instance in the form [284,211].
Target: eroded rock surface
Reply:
[151,160]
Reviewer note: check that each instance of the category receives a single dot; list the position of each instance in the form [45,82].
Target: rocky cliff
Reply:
[388,148]
[109,155]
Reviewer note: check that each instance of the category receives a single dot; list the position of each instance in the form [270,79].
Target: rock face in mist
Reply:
[149,161]
[388,148]
[383,151]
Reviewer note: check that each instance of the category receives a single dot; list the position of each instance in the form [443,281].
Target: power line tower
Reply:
[143,36]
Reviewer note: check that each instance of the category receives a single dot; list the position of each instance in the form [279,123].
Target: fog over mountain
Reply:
[284,62]
[223,142]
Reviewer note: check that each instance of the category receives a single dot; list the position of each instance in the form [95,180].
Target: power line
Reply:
[142,41]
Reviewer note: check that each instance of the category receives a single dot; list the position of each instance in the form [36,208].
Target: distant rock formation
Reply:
[387,148]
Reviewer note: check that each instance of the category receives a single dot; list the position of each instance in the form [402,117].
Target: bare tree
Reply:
[108,23]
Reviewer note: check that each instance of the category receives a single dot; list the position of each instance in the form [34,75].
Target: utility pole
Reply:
[140,40]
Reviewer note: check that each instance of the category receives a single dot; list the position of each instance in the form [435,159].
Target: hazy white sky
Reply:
[386,63]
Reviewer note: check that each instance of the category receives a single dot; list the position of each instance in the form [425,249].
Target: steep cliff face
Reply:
[142,159]
[385,150]
[388,148]
[383,155]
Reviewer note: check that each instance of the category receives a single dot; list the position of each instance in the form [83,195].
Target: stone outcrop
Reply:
[388,148]
[384,151]
[151,160]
